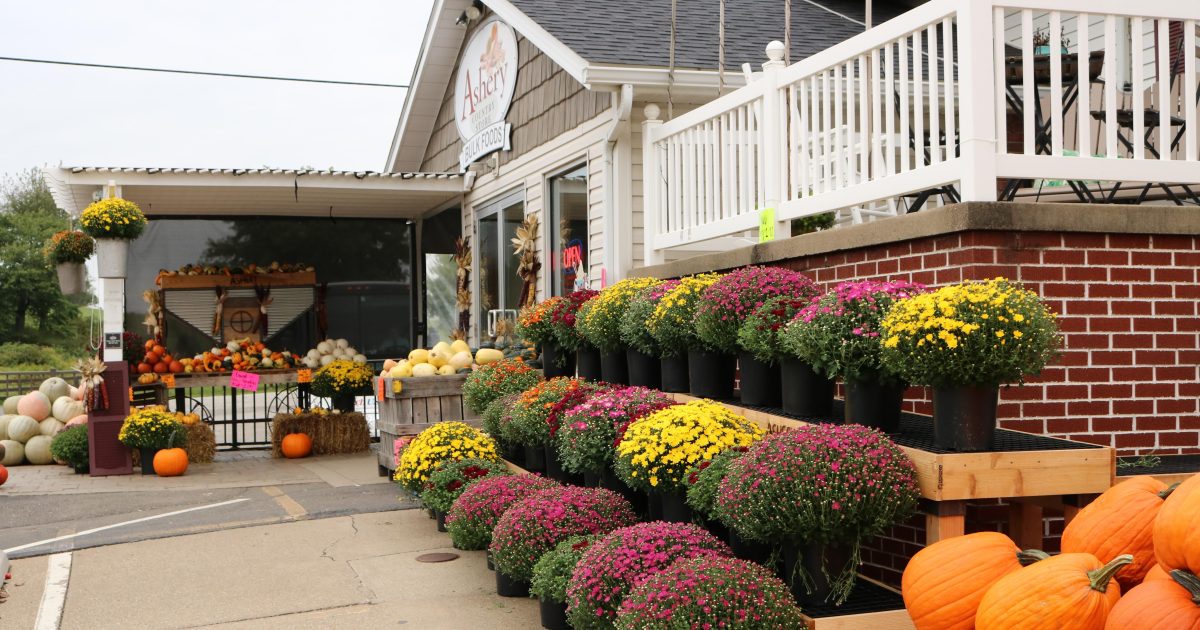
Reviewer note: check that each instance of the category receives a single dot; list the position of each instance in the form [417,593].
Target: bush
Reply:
[611,568]
[672,322]
[69,246]
[496,415]
[473,515]
[71,446]
[710,591]
[28,357]
[449,481]
[113,218]
[152,427]
[553,570]
[488,382]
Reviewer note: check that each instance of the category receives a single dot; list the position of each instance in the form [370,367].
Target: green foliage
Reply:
[704,479]
[71,446]
[28,357]
[450,480]
[553,570]
[814,223]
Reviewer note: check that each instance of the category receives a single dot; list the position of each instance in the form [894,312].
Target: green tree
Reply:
[28,217]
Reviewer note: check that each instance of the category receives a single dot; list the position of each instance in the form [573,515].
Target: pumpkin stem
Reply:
[1101,577]
[1189,582]
[1171,488]
[1030,556]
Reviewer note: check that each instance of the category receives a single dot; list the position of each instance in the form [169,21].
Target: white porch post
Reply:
[772,132]
[652,195]
[977,105]
[112,298]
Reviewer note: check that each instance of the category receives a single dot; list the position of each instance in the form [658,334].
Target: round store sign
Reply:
[483,91]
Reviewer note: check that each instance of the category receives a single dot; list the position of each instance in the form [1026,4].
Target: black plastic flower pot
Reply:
[717,529]
[674,374]
[614,368]
[441,520]
[591,479]
[554,469]
[553,615]
[644,370]
[509,587]
[81,469]
[806,393]
[587,363]
[147,459]
[654,506]
[759,381]
[636,498]
[964,418]
[874,404]
[674,507]
[748,549]
[815,559]
[491,564]
[710,374]
[515,453]
[557,361]
[535,458]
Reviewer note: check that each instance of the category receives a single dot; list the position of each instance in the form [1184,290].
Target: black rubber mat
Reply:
[916,431]
[867,597]
[1164,465]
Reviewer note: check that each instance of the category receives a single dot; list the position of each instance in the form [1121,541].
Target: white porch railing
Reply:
[978,99]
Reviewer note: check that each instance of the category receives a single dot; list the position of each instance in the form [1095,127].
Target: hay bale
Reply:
[201,444]
[331,433]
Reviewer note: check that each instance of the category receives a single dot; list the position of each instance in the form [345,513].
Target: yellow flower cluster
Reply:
[342,376]
[150,427]
[671,322]
[113,218]
[951,312]
[441,443]
[600,317]
[657,450]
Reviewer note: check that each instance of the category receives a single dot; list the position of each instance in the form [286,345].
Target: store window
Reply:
[568,230]
[363,274]
[499,287]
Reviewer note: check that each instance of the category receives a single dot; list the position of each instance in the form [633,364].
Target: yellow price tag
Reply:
[304,376]
[766,225]
[397,386]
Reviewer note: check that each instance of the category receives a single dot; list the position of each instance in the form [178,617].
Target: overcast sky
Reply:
[96,117]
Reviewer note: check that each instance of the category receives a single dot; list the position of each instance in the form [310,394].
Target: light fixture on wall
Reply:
[472,13]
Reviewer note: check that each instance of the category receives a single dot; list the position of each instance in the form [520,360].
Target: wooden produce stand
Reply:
[408,406]
[1054,474]
[248,280]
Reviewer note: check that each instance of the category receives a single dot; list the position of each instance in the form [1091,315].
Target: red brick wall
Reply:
[1128,376]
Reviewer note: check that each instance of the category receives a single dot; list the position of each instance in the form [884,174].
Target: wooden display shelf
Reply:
[860,615]
[221,379]
[295,279]
[420,403]
[1060,479]
[1169,469]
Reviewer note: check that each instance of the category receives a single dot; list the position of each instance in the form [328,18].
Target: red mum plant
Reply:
[729,301]
[614,566]
[533,526]
[710,591]
[825,484]
[452,479]
[589,430]
[562,317]
[497,380]
[474,514]
[531,413]
[760,332]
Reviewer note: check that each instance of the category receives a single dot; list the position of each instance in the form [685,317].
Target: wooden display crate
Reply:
[417,404]
[296,279]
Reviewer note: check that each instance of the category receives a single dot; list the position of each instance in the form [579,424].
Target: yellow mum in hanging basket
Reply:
[441,443]
[113,218]
[656,451]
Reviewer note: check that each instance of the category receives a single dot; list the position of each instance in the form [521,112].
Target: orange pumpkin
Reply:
[170,462]
[3,474]
[1072,591]
[944,582]
[1173,603]
[1120,521]
[1156,573]
[296,445]
[1176,536]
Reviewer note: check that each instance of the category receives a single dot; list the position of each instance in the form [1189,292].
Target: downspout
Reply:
[618,217]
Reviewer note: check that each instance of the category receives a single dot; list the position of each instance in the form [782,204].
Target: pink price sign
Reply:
[243,380]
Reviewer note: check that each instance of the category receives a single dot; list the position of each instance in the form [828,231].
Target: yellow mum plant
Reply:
[113,218]
[600,317]
[342,377]
[441,443]
[984,333]
[657,450]
[671,323]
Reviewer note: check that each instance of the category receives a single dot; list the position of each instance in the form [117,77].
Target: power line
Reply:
[198,72]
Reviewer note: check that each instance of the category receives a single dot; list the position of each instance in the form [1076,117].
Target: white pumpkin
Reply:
[35,405]
[21,428]
[349,351]
[324,347]
[54,387]
[10,404]
[326,360]
[75,421]
[76,393]
[50,427]
[14,453]
[267,363]
[37,450]
[461,360]
[424,369]
[342,343]
[59,408]
[360,358]
[4,420]
[313,354]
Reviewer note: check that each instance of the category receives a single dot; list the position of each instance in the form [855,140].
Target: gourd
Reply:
[3,473]
[1,450]
[1159,604]
[418,355]
[459,346]
[37,450]
[4,420]
[461,360]
[1120,521]
[55,387]
[424,369]
[14,453]
[296,445]
[10,405]
[1070,591]
[21,428]
[170,462]
[442,347]
[437,358]
[1176,536]
[944,582]
[35,405]
[446,370]
[488,355]
[50,427]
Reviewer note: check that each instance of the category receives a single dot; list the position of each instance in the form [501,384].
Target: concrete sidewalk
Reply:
[347,572]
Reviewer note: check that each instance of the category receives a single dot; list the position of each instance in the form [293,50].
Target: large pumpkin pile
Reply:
[1129,562]
[31,421]
[443,359]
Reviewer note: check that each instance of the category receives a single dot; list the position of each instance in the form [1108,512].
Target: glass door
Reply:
[499,286]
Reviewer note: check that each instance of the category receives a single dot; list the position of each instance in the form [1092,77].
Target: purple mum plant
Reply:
[729,301]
